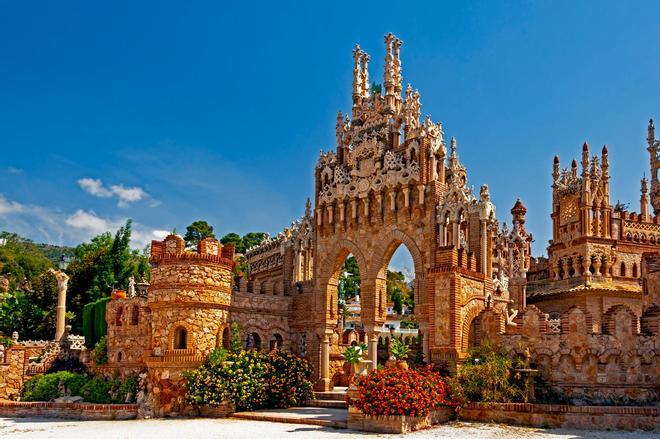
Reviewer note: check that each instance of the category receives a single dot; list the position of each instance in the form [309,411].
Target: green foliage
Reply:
[217,357]
[94,324]
[21,261]
[251,380]
[197,231]
[399,349]
[487,376]
[18,312]
[232,239]
[6,341]
[399,291]
[354,354]
[349,279]
[235,344]
[100,353]
[47,387]
[103,390]
[101,264]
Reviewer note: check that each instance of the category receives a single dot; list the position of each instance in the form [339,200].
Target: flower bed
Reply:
[397,400]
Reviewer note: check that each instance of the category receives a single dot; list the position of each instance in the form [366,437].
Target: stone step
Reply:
[335,395]
[325,417]
[329,403]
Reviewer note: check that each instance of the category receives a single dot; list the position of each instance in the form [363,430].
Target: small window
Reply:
[135,315]
[180,338]
[118,316]
[119,357]
[634,269]
[623,269]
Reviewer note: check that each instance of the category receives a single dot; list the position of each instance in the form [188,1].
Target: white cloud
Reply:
[89,221]
[94,187]
[125,195]
[8,207]
[43,224]
[128,194]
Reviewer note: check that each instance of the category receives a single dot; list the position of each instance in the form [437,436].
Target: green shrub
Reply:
[487,376]
[98,390]
[100,353]
[128,389]
[47,387]
[251,380]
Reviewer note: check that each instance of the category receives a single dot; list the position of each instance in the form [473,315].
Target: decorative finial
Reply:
[604,149]
[585,146]
[556,160]
[574,164]
[452,146]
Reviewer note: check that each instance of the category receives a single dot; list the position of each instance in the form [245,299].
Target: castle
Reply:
[587,316]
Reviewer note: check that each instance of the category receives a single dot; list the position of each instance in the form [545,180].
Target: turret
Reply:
[644,201]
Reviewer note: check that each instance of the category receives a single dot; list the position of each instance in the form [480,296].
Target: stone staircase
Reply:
[335,399]
[327,409]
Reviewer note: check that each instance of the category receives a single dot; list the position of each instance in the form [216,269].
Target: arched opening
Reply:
[399,297]
[348,295]
[226,337]
[135,315]
[119,357]
[634,270]
[253,341]
[118,316]
[622,270]
[275,342]
[180,338]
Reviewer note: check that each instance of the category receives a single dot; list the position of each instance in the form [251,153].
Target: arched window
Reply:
[276,342]
[135,315]
[623,269]
[634,269]
[118,316]
[253,341]
[119,357]
[180,338]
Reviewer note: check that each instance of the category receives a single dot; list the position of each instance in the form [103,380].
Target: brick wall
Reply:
[84,411]
[564,416]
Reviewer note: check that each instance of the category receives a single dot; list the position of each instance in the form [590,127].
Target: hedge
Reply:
[94,324]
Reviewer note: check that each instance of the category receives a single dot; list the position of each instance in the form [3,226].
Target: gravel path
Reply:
[27,428]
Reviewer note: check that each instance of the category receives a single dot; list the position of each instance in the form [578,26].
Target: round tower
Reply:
[190,295]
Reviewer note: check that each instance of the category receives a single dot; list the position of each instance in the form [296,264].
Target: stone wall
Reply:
[129,332]
[14,367]
[618,365]
[83,411]
[564,416]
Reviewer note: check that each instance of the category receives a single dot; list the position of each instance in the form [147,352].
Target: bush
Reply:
[290,382]
[394,391]
[487,376]
[251,380]
[98,390]
[100,353]
[47,387]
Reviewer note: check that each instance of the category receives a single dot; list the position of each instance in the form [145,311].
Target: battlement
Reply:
[173,249]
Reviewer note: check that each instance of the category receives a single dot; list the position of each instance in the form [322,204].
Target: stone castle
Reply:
[587,316]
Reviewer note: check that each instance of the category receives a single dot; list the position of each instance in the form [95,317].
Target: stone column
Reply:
[62,283]
[484,247]
[373,350]
[325,384]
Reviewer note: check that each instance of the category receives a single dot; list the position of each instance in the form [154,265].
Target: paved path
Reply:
[30,428]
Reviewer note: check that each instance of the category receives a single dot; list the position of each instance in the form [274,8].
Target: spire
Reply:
[605,163]
[365,75]
[357,75]
[651,137]
[518,212]
[585,159]
[644,200]
[555,170]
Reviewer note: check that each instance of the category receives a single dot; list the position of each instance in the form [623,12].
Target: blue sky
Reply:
[169,112]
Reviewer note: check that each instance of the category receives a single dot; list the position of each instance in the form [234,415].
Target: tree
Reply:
[398,290]
[232,239]
[349,278]
[197,231]
[250,240]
